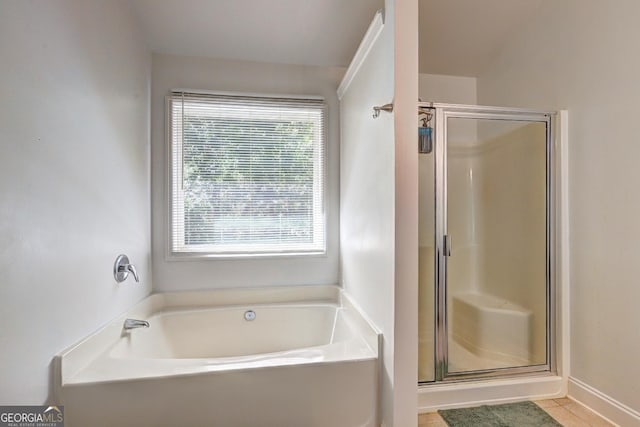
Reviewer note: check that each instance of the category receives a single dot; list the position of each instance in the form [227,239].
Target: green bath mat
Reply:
[520,414]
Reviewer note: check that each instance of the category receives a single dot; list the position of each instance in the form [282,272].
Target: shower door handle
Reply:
[447,245]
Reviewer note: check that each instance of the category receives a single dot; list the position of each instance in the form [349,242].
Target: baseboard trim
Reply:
[607,407]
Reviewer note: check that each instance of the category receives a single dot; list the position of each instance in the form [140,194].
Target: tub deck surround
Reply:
[304,341]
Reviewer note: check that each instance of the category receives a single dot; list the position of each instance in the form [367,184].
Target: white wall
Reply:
[379,204]
[583,57]
[173,72]
[367,190]
[74,179]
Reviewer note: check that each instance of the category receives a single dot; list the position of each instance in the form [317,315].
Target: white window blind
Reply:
[247,175]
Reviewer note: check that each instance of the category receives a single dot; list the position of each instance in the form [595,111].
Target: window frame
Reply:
[171,255]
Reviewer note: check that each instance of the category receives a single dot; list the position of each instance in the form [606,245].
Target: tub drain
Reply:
[249,315]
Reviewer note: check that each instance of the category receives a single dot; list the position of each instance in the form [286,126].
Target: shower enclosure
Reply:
[486,255]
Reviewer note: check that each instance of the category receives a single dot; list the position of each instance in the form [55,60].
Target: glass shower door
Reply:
[494,286]
[426,265]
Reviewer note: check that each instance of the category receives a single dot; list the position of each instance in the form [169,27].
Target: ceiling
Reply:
[307,32]
[457,37]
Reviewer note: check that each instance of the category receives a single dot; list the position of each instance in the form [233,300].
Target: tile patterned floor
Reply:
[567,412]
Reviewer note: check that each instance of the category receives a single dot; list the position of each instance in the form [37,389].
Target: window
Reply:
[247,175]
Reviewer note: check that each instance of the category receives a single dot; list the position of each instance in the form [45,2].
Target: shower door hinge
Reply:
[447,245]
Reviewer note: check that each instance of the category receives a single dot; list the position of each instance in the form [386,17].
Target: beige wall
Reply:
[406,87]
[447,89]
[583,56]
[74,179]
[184,72]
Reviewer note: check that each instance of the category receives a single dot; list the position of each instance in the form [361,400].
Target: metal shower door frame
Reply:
[443,112]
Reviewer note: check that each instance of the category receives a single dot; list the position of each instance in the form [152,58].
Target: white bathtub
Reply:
[307,359]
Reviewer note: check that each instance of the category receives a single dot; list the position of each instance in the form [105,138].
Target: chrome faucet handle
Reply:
[122,268]
[132,269]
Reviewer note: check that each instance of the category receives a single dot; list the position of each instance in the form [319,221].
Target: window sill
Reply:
[194,256]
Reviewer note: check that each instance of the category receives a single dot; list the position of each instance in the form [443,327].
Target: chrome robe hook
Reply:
[386,107]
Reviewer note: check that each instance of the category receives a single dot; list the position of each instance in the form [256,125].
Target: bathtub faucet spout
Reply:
[135,323]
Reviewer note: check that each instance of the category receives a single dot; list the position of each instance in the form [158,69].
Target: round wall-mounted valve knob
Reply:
[122,268]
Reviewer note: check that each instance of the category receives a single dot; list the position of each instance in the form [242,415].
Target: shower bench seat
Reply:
[492,327]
